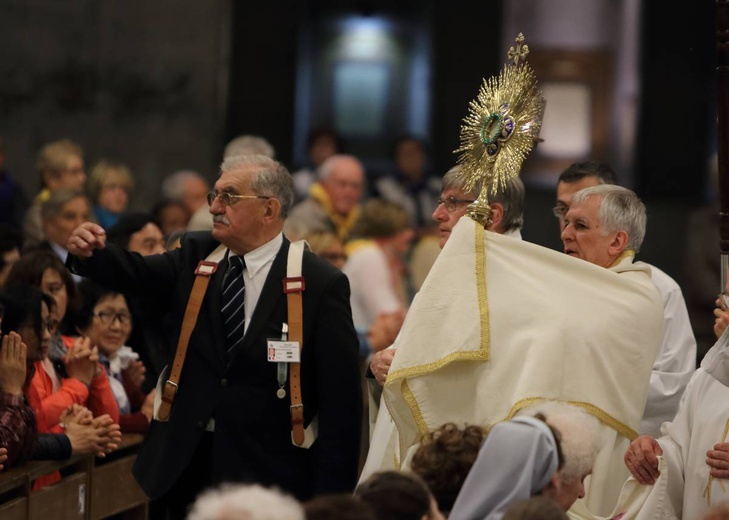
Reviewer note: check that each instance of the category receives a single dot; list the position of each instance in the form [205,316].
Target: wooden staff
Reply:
[722,55]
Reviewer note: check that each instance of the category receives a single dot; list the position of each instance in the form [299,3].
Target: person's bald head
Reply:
[342,177]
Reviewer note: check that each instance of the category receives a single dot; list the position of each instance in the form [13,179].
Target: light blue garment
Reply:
[516,461]
[113,370]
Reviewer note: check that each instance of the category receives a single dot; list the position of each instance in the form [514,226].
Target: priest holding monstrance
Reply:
[501,324]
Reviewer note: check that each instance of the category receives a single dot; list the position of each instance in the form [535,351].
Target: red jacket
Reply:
[98,397]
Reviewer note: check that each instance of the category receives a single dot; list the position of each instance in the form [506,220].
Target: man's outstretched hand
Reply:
[85,239]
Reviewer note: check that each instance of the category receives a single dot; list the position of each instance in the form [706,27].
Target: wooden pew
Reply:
[91,488]
[113,487]
[14,491]
[64,500]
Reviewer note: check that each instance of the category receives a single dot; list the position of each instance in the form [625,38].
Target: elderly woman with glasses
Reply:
[68,372]
[105,319]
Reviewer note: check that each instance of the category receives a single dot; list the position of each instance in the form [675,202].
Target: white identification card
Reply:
[283,351]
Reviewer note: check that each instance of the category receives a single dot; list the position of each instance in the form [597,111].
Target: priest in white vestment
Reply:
[500,324]
[507,218]
[694,447]
[676,360]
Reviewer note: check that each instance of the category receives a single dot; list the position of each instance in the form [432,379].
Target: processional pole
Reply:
[722,135]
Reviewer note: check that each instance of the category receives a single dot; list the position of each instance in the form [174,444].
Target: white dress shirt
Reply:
[258,264]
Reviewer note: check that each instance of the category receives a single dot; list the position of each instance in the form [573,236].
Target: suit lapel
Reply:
[270,295]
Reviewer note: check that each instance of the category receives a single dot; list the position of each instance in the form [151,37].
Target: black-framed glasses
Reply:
[560,211]
[227,199]
[107,318]
[452,203]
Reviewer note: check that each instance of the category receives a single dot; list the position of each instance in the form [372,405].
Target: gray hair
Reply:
[59,198]
[248,501]
[272,179]
[620,210]
[582,436]
[173,186]
[510,195]
[330,164]
[249,145]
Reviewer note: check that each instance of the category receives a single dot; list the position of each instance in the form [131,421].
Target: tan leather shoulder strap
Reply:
[294,285]
[205,270]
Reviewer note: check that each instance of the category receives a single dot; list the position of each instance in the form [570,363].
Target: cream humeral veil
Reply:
[500,324]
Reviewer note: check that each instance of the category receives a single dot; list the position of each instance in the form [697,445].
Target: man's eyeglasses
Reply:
[107,318]
[451,203]
[560,211]
[226,199]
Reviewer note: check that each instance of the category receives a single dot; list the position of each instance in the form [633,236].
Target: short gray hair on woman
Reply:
[272,179]
[620,210]
[582,436]
[249,501]
[510,195]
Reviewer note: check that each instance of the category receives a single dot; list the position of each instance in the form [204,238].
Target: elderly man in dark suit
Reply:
[231,417]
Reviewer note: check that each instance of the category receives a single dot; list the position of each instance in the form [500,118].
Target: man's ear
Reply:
[273,209]
[497,216]
[619,243]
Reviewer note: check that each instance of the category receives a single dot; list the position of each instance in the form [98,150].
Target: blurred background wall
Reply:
[163,85]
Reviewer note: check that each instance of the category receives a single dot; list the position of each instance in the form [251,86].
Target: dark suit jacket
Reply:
[252,439]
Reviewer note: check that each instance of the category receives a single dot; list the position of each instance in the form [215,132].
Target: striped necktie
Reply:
[234,301]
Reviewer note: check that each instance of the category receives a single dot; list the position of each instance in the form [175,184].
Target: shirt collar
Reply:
[60,251]
[261,256]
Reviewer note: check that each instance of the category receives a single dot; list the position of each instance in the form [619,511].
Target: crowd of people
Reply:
[263,399]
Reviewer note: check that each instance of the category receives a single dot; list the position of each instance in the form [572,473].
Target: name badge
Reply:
[283,351]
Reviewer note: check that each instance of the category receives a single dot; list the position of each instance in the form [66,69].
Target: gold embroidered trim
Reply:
[414,407]
[473,355]
[622,256]
[483,303]
[607,419]
[483,353]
